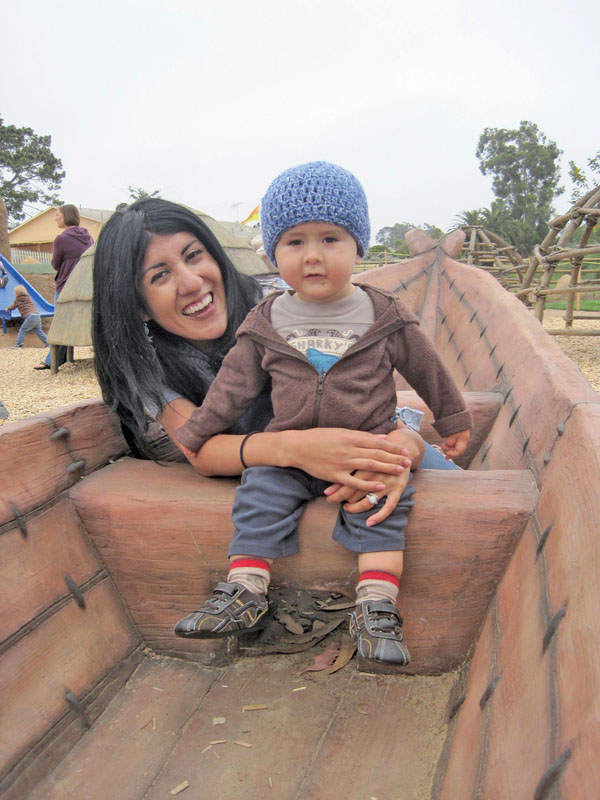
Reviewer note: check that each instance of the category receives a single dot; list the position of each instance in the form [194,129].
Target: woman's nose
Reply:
[188,280]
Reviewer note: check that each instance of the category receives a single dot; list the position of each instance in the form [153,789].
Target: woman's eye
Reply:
[193,254]
[158,275]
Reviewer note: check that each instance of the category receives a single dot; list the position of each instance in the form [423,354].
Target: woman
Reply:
[66,252]
[167,303]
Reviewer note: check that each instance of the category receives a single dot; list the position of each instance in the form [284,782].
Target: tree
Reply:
[137,193]
[582,185]
[470,218]
[29,172]
[393,237]
[526,171]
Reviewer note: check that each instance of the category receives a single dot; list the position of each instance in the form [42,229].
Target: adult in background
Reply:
[66,252]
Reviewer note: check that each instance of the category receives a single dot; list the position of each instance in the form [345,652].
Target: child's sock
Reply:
[376,585]
[253,573]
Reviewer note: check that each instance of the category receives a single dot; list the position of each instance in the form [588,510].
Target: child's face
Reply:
[316,259]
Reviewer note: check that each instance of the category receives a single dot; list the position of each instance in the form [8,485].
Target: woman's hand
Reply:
[355,500]
[412,450]
[345,457]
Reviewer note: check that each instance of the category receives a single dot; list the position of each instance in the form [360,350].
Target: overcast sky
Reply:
[208,100]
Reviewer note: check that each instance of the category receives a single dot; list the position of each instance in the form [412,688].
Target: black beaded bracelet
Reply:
[244,440]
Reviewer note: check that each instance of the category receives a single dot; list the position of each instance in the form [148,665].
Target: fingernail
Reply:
[379,486]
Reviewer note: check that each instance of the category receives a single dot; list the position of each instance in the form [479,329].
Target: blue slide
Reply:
[7,295]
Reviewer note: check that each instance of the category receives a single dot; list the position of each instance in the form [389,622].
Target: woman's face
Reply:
[60,220]
[182,286]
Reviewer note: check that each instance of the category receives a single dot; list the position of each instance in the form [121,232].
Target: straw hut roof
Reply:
[72,323]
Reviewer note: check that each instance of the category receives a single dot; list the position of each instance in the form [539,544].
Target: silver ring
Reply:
[372,498]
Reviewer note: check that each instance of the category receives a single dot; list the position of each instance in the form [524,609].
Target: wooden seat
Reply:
[163,533]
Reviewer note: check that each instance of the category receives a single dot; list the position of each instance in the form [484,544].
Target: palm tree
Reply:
[470,218]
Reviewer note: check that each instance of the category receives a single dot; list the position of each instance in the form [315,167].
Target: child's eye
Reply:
[294,242]
[330,239]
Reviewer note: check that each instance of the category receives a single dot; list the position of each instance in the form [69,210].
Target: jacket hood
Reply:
[80,234]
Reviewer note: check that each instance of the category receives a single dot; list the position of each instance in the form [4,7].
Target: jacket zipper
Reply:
[290,351]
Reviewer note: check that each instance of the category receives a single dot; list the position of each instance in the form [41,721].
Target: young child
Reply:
[330,348]
[32,322]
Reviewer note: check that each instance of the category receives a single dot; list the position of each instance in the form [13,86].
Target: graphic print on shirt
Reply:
[322,347]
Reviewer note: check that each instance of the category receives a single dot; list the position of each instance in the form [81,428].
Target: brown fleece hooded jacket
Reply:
[357,392]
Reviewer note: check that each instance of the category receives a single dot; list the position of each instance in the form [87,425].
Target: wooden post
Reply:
[53,359]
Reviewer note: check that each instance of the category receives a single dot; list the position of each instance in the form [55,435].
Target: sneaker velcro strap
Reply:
[226,588]
[383,607]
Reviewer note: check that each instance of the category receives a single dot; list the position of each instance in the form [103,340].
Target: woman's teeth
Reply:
[206,300]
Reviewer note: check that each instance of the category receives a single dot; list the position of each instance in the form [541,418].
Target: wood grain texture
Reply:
[33,568]
[33,467]
[72,649]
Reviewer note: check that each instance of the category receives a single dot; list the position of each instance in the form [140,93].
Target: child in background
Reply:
[330,348]
[32,322]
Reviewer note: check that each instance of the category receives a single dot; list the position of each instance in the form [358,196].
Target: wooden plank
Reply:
[282,737]
[58,742]
[569,504]
[155,740]
[34,466]
[134,737]
[163,533]
[73,649]
[520,723]
[33,568]
[461,773]
[397,726]
[305,742]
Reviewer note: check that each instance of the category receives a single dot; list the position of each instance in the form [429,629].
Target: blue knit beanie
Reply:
[314,192]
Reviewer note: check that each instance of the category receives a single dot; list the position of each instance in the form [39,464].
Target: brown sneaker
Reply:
[231,611]
[377,628]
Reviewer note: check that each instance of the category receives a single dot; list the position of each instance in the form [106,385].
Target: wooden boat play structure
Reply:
[102,552]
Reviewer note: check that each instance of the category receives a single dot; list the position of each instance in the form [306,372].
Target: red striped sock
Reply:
[253,573]
[377,585]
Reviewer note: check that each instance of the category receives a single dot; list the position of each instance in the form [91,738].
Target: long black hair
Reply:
[134,360]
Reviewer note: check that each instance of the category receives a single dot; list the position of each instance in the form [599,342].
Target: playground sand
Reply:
[26,392]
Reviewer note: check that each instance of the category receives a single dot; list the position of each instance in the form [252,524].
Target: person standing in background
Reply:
[66,252]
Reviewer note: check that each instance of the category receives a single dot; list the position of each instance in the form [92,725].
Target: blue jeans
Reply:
[433,459]
[31,324]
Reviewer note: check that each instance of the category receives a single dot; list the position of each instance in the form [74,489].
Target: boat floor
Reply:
[176,723]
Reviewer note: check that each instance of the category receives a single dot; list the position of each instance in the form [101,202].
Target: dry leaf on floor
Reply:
[341,606]
[324,659]
[347,650]
[289,622]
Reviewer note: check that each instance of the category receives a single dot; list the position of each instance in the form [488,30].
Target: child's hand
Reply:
[456,444]
[355,500]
